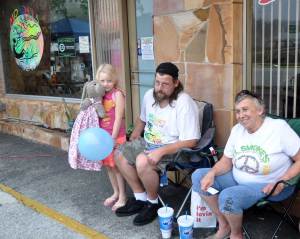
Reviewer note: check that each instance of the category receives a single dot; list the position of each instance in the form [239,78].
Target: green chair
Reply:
[286,208]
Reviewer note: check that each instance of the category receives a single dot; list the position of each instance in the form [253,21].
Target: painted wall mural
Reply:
[26,38]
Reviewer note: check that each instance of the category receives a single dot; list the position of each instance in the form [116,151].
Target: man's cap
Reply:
[168,68]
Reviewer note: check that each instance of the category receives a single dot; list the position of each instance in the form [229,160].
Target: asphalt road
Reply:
[42,173]
[41,197]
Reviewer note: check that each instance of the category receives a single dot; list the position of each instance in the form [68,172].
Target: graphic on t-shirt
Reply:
[247,163]
[153,130]
[252,159]
[108,106]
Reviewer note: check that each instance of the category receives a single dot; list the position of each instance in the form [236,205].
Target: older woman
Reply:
[260,151]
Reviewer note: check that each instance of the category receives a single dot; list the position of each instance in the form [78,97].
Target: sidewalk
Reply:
[42,173]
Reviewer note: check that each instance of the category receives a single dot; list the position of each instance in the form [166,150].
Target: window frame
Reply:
[248,78]
[50,98]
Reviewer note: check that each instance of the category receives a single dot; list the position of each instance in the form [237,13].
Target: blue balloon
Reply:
[95,144]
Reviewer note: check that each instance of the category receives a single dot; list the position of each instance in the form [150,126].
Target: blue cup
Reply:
[165,216]
[185,225]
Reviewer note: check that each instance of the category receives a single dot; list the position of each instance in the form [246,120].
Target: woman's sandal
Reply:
[215,237]
[109,202]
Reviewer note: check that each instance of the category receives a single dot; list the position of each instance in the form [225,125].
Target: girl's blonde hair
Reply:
[107,69]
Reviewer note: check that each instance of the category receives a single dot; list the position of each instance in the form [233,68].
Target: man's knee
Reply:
[121,161]
[142,164]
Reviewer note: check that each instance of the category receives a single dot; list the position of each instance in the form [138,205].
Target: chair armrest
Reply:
[201,151]
[294,181]
[291,182]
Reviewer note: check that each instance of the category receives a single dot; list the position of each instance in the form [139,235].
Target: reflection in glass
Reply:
[275,56]
[65,63]
[107,28]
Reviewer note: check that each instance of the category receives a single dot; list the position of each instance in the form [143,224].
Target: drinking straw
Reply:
[166,207]
[185,215]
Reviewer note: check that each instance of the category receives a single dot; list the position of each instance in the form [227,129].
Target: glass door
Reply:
[144,28]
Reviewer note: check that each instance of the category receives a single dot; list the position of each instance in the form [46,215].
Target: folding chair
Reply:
[187,160]
[285,208]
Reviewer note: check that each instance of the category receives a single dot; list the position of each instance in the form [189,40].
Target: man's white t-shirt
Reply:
[263,156]
[171,123]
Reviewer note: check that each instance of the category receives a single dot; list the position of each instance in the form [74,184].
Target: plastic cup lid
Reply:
[185,220]
[165,212]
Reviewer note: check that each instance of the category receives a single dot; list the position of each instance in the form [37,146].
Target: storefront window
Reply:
[276,55]
[46,47]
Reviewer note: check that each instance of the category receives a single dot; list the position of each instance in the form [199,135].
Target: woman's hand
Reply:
[267,189]
[207,180]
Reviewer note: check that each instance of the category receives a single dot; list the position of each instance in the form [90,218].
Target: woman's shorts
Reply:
[234,197]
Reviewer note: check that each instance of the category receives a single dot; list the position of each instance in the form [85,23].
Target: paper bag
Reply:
[203,216]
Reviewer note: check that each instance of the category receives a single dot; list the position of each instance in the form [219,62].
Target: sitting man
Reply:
[170,121]
[259,152]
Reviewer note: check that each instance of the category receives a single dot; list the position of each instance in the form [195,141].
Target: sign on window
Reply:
[66,46]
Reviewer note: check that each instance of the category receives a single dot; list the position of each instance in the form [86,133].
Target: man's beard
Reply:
[160,96]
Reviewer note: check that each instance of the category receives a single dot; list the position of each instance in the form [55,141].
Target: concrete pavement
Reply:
[41,175]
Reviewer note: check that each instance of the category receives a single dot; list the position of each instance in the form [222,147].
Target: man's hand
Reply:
[134,135]
[207,181]
[267,189]
[153,156]
[138,129]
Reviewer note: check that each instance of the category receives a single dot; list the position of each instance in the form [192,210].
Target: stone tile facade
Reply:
[35,133]
[204,38]
[49,114]
[37,120]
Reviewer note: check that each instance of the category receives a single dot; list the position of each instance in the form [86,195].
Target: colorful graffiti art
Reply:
[26,39]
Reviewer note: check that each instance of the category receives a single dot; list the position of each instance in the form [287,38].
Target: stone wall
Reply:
[39,112]
[204,39]
[38,120]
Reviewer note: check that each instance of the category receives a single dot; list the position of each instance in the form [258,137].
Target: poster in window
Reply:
[147,48]
[66,46]
[26,38]
[84,46]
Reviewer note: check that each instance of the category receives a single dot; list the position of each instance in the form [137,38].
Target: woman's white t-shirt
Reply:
[263,156]
[171,123]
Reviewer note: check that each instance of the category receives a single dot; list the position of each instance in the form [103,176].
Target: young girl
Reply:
[114,105]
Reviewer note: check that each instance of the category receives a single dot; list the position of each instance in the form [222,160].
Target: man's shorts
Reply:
[131,149]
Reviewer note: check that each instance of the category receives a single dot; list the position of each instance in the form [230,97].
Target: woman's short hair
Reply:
[243,94]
